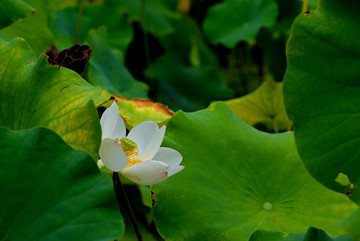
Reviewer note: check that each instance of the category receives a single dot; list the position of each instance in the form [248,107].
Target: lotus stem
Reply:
[121,194]
[78,27]
[304,6]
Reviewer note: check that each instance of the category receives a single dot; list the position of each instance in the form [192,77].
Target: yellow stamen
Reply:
[133,162]
[131,150]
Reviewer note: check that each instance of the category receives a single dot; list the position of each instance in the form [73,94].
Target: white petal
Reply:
[161,164]
[169,156]
[175,169]
[153,147]
[112,155]
[171,169]
[145,173]
[112,125]
[148,137]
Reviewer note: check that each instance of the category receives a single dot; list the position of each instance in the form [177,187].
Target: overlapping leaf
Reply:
[232,21]
[265,105]
[35,94]
[52,192]
[34,29]
[238,180]
[12,10]
[156,16]
[322,89]
[136,111]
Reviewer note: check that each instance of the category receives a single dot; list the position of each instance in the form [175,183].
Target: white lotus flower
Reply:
[138,156]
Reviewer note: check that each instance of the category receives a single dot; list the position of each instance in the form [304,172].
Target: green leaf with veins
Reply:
[238,180]
[322,89]
[50,191]
[232,21]
[35,94]
[107,69]
[265,105]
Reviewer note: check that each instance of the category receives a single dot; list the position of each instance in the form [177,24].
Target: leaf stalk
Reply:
[304,6]
[78,27]
[121,194]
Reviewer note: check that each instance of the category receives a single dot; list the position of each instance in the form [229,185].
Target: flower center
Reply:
[131,150]
[127,144]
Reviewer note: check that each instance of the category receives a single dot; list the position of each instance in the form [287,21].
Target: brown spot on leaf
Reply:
[153,199]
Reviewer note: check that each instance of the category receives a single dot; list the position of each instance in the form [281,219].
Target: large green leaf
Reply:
[12,10]
[265,105]
[155,15]
[34,29]
[322,91]
[108,70]
[232,21]
[238,180]
[34,93]
[52,192]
